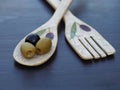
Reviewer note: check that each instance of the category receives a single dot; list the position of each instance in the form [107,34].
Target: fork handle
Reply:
[61,10]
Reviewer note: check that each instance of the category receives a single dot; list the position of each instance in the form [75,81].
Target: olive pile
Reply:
[33,43]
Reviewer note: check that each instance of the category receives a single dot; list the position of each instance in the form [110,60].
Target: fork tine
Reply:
[89,48]
[80,49]
[96,47]
[107,48]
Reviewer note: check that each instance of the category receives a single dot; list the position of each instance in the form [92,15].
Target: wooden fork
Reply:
[83,38]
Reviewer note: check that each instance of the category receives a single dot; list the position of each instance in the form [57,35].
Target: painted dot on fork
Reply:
[85,28]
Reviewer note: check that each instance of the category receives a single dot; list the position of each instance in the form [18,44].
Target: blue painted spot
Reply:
[85,28]
[50,35]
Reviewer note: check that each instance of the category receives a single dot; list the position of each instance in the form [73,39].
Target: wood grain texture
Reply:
[65,70]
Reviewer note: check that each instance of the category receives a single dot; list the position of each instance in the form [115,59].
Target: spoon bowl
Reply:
[37,59]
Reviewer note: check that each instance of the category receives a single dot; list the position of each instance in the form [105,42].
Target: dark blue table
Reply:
[65,70]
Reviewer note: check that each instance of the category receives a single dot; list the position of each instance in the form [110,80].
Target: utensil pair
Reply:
[84,39]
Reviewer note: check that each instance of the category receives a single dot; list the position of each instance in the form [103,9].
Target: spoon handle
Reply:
[61,10]
[55,4]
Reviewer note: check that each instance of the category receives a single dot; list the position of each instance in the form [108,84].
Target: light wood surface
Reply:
[83,38]
[52,24]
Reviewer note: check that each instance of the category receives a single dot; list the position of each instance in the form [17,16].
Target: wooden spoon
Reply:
[50,26]
[83,38]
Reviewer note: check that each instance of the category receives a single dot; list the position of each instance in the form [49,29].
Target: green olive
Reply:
[43,45]
[28,50]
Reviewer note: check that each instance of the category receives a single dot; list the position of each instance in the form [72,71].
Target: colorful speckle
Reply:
[73,30]
[85,28]
[50,35]
[41,32]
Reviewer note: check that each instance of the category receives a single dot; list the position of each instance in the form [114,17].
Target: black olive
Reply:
[32,38]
